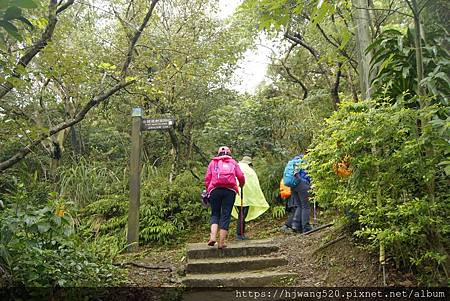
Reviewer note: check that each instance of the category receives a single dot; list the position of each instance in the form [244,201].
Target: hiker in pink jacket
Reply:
[222,187]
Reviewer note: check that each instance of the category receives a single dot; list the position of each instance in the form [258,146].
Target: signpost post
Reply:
[139,124]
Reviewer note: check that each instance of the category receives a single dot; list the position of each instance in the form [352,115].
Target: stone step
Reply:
[234,249]
[233,264]
[242,279]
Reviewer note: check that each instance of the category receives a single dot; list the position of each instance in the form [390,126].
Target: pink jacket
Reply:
[211,182]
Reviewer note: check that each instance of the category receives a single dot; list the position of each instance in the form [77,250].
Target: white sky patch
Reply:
[251,69]
[227,7]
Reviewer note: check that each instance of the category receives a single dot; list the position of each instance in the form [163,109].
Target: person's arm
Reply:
[240,175]
[208,175]
[297,168]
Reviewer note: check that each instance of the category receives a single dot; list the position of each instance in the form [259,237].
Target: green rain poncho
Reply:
[253,195]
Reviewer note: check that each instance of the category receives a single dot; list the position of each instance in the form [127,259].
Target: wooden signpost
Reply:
[138,125]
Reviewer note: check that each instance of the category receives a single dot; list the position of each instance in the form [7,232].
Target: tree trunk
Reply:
[419,55]
[363,40]
[335,88]
[175,154]
[423,103]
[352,86]
[75,141]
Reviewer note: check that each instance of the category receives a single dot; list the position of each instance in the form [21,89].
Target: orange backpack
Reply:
[285,191]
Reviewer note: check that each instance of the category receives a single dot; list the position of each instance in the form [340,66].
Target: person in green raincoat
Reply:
[254,203]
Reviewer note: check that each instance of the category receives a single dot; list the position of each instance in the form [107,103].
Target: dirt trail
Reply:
[340,264]
[337,264]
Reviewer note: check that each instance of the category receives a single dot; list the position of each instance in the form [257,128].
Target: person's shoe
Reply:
[308,229]
[298,231]
[239,237]
[286,229]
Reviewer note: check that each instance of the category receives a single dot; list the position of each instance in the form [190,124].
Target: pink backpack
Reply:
[224,173]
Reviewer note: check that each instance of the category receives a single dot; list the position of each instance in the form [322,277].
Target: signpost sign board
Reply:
[157,124]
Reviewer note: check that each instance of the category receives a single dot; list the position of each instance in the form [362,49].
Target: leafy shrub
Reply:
[65,267]
[398,189]
[12,187]
[166,209]
[40,248]
[270,171]
[108,214]
[396,64]
[103,141]
[172,208]
[84,181]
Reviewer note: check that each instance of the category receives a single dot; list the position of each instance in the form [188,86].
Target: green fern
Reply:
[278,211]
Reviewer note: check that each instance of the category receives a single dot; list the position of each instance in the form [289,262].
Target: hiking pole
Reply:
[314,206]
[383,262]
[242,212]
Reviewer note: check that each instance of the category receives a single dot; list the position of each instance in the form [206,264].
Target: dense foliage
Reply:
[71,71]
[395,61]
[388,192]
[40,246]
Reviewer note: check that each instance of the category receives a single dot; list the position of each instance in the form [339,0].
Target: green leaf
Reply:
[107,66]
[57,220]
[2,41]
[373,45]
[43,227]
[4,4]
[11,29]
[26,21]
[447,170]
[25,3]
[405,72]
[12,13]
[130,78]
[443,76]
[68,231]
[321,12]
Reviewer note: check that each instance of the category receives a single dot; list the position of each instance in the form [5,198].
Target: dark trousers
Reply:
[222,201]
[238,227]
[300,215]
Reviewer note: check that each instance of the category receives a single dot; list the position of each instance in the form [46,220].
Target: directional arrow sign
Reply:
[157,124]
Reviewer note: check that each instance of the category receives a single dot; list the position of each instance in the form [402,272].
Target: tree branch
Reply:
[293,77]
[387,9]
[378,22]
[335,89]
[39,45]
[288,69]
[198,150]
[297,38]
[64,6]
[24,151]
[423,6]
[341,51]
[136,37]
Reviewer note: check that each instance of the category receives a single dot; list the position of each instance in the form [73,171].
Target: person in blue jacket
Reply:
[299,200]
